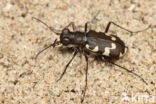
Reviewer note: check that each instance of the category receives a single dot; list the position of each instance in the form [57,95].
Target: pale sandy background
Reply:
[22,81]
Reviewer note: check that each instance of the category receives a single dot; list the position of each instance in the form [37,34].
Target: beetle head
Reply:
[66,37]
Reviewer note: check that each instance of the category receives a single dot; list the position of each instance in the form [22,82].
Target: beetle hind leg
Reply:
[108,26]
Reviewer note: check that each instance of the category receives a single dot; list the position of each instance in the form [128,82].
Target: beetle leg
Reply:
[75,53]
[109,23]
[86,26]
[71,24]
[129,71]
[86,79]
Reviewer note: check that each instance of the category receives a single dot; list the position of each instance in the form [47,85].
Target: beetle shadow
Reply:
[66,50]
[104,59]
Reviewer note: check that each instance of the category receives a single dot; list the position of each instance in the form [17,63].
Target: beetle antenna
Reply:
[129,72]
[58,32]
[51,45]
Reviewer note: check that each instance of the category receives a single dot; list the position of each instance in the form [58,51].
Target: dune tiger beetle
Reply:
[106,47]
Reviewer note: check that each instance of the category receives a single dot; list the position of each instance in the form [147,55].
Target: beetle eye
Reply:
[66,41]
[65,31]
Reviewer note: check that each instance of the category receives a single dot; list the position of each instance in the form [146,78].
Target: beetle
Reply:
[105,46]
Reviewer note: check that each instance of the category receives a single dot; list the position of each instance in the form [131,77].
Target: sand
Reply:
[24,81]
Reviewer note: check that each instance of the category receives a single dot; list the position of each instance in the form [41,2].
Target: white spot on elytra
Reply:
[107,34]
[113,46]
[87,46]
[113,38]
[58,38]
[121,54]
[107,49]
[96,49]
[125,50]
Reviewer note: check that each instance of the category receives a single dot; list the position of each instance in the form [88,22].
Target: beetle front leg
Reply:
[71,24]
